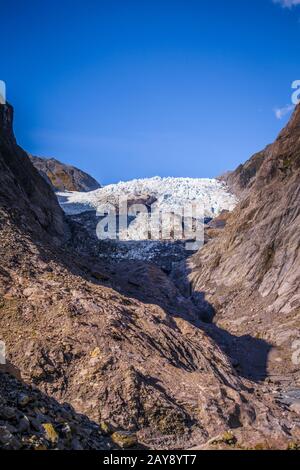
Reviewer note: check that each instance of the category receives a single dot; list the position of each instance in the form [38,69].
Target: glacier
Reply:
[170,194]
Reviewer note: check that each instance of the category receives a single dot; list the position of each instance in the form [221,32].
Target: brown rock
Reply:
[63,177]
[156,370]
[124,439]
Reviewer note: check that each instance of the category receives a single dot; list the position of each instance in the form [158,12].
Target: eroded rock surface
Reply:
[119,341]
[63,177]
[250,274]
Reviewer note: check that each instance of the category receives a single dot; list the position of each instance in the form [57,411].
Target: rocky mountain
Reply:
[241,179]
[22,191]
[125,344]
[250,273]
[64,177]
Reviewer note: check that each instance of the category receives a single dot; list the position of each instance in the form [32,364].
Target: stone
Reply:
[106,427]
[7,412]
[75,444]
[124,439]
[7,440]
[5,435]
[35,423]
[50,433]
[65,430]
[23,400]
[24,424]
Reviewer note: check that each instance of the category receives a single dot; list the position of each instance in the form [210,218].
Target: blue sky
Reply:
[126,89]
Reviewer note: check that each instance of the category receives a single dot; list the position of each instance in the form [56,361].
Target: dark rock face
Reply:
[64,177]
[21,187]
[31,420]
[119,341]
[243,177]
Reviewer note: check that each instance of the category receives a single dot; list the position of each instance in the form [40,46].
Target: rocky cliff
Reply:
[64,177]
[250,274]
[118,341]
[22,190]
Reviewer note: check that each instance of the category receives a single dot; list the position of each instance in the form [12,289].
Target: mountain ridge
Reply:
[250,273]
[120,341]
[63,177]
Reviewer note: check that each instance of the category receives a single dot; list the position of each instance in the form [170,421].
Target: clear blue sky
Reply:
[125,88]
